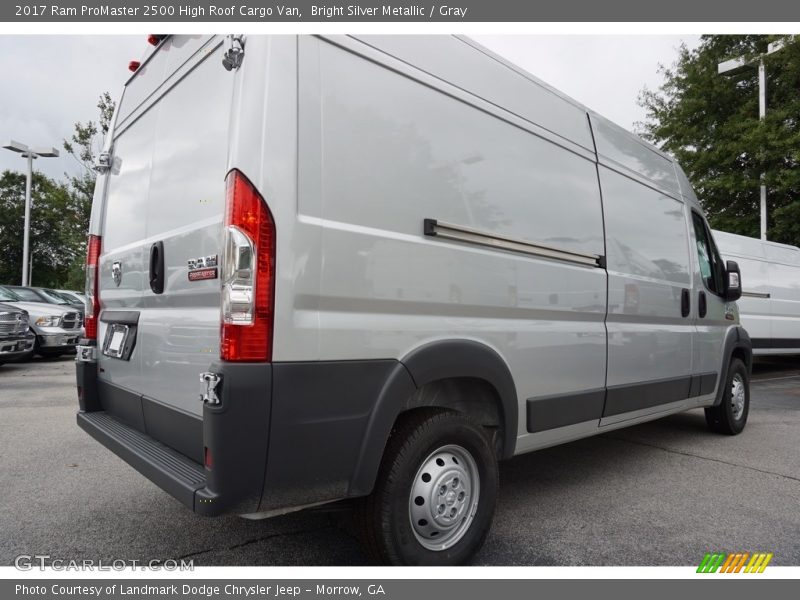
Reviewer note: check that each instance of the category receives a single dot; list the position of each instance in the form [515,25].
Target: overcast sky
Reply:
[49,82]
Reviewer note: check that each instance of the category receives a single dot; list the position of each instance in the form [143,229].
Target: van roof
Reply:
[748,247]
[560,94]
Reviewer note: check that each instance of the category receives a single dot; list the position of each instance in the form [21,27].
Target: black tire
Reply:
[384,517]
[724,418]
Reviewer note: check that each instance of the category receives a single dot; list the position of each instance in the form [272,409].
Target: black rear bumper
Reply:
[170,470]
[284,435]
[168,447]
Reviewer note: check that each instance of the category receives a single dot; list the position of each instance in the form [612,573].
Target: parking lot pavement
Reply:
[662,493]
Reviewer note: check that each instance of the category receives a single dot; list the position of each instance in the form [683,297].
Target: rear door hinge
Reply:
[103,163]
[211,381]
[234,52]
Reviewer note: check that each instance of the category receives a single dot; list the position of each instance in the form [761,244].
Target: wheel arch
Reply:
[737,345]
[428,364]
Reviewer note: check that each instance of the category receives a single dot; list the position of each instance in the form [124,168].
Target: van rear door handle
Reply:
[157,267]
[702,306]
[685,302]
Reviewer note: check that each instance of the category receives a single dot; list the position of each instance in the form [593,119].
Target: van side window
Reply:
[710,261]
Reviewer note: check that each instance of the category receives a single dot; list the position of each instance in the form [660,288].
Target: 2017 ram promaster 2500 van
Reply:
[371,267]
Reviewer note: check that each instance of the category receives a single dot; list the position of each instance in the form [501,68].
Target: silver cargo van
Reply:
[770,304]
[371,267]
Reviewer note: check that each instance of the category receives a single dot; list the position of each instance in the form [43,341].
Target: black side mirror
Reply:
[733,281]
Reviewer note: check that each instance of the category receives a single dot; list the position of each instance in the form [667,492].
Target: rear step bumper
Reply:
[170,470]
[283,435]
[162,444]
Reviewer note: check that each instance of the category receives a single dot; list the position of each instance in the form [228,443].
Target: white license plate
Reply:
[115,340]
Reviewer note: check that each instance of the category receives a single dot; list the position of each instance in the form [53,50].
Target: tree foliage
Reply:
[59,212]
[710,124]
[55,236]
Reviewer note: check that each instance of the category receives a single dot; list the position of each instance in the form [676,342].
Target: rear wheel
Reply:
[435,495]
[730,416]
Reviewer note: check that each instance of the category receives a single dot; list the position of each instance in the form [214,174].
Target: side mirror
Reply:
[733,281]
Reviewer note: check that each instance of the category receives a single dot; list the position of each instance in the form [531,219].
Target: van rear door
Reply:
[162,224]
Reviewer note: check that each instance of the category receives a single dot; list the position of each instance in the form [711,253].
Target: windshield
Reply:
[55,297]
[72,297]
[8,296]
[28,295]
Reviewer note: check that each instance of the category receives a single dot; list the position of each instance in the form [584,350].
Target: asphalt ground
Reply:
[662,493]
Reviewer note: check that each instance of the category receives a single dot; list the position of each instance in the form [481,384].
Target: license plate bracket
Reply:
[119,340]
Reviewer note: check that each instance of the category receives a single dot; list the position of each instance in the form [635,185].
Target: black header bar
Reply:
[457,11]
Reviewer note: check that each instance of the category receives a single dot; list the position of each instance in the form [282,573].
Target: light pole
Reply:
[736,67]
[31,154]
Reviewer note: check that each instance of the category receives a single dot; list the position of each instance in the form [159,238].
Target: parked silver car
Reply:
[57,328]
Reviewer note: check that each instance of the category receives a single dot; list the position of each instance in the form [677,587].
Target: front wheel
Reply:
[730,416]
[436,492]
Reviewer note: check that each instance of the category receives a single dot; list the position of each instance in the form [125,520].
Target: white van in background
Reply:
[770,302]
[371,267]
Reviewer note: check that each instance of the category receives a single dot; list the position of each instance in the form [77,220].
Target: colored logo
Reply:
[738,562]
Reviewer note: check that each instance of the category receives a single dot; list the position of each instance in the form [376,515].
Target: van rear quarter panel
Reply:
[379,151]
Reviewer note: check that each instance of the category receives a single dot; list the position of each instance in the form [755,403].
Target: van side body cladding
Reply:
[737,338]
[236,433]
[785,343]
[636,396]
[393,398]
[322,412]
[550,412]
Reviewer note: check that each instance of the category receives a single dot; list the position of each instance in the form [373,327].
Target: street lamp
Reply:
[31,154]
[736,67]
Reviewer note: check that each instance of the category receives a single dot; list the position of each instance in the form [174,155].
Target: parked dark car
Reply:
[16,337]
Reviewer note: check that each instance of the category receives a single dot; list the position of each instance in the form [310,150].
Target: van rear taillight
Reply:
[248,274]
[92,290]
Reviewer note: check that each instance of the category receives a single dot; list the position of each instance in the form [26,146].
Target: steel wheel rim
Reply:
[444,497]
[737,396]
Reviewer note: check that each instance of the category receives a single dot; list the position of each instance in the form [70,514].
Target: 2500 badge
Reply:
[203,267]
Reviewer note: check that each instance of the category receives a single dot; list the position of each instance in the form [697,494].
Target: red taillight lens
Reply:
[248,274]
[134,65]
[92,291]
[208,460]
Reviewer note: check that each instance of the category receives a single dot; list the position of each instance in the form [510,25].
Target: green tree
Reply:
[55,237]
[60,212]
[84,145]
[710,124]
